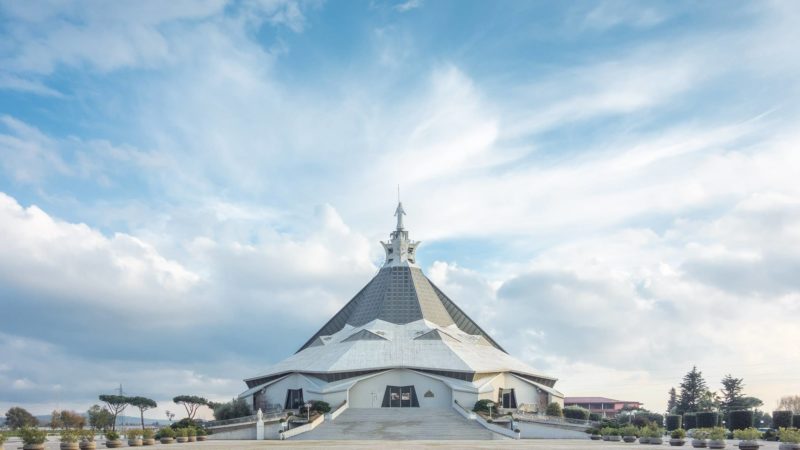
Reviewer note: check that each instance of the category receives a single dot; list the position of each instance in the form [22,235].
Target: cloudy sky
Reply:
[188,190]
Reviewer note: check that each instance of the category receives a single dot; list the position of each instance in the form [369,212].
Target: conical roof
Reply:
[400,293]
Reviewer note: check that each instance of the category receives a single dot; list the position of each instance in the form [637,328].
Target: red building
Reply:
[606,407]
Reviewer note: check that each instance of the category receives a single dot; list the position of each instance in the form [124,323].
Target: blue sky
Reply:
[189,190]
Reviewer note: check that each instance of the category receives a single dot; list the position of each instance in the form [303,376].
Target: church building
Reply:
[401,343]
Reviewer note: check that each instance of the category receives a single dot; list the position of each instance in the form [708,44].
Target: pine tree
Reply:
[732,396]
[693,387]
[673,400]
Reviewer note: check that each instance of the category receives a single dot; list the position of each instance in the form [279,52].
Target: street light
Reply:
[490,405]
[308,410]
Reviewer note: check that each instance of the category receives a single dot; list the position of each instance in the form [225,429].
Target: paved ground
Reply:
[559,444]
[398,424]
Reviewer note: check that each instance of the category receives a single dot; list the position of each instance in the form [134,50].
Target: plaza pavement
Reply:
[559,444]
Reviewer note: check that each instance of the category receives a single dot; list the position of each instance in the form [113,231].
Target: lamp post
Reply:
[490,405]
[308,411]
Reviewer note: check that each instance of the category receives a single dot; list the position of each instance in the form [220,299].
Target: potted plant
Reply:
[2,439]
[629,433]
[201,434]
[656,434]
[716,437]
[748,438]
[134,438]
[32,438]
[166,435]
[677,437]
[87,440]
[594,434]
[699,437]
[605,433]
[644,436]
[191,434]
[790,439]
[182,435]
[69,440]
[614,435]
[113,440]
[148,437]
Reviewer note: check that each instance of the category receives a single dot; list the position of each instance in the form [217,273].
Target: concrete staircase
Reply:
[398,424]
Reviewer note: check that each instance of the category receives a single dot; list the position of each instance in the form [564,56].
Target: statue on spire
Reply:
[399,212]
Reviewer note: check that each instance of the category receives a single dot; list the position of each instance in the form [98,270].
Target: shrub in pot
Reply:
[644,436]
[716,437]
[148,437]
[629,433]
[656,434]
[69,440]
[790,439]
[87,440]
[2,439]
[781,419]
[699,437]
[134,438]
[748,438]
[605,432]
[32,438]
[594,434]
[677,437]
[191,433]
[182,435]
[201,434]
[166,435]
[113,440]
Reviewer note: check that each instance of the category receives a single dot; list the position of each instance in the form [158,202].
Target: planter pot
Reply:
[595,437]
[70,446]
[166,440]
[644,440]
[788,446]
[614,438]
[656,441]
[150,441]
[182,439]
[714,443]
[134,442]
[748,445]
[677,442]
[33,447]
[605,438]
[114,444]
[202,438]
[629,439]
[87,445]
[192,438]
[699,443]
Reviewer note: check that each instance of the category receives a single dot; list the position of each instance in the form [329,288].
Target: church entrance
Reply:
[294,399]
[400,397]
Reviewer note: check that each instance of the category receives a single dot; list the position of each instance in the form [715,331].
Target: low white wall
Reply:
[540,431]
[334,414]
[244,432]
[303,428]
[495,428]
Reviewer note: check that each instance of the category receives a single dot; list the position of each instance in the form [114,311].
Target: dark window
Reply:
[294,399]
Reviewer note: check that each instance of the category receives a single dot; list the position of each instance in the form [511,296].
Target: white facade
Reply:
[401,342]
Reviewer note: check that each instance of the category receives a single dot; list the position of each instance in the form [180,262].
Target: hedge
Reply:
[707,419]
[673,422]
[576,412]
[554,409]
[740,420]
[594,417]
[796,420]
[781,419]
[690,421]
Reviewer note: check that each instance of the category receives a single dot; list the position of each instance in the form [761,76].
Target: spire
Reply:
[399,249]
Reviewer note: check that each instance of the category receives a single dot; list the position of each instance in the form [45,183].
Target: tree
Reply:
[99,418]
[143,403]
[231,410]
[672,403]
[191,403]
[71,419]
[693,387]
[732,389]
[708,401]
[55,420]
[17,417]
[115,404]
[790,403]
